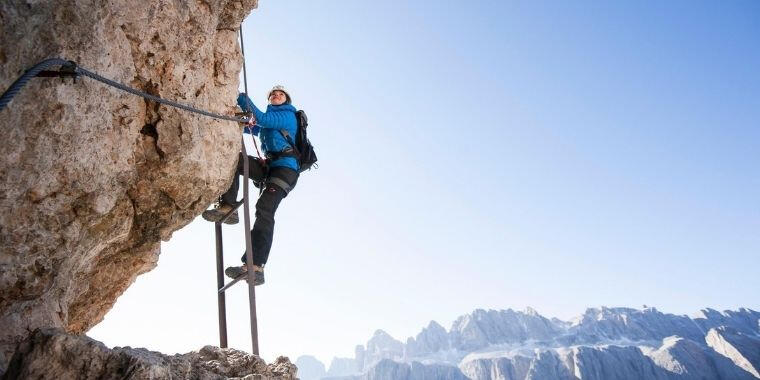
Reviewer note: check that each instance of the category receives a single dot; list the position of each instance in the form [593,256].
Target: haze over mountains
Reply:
[604,343]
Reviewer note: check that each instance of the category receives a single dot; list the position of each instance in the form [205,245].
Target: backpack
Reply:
[302,148]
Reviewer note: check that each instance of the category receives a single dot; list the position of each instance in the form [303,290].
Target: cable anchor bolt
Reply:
[68,70]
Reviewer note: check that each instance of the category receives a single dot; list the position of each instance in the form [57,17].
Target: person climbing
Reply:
[276,129]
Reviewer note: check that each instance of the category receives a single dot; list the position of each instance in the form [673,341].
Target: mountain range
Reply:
[603,343]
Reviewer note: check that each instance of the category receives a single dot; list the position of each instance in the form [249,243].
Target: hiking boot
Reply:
[216,214]
[237,272]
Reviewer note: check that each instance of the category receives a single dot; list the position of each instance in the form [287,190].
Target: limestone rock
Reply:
[309,368]
[740,348]
[91,178]
[686,359]
[603,343]
[481,328]
[380,346]
[388,369]
[431,339]
[53,354]
[342,367]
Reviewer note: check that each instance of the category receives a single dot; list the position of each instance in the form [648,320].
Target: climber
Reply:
[278,174]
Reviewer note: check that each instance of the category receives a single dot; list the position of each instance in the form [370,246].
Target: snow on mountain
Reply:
[741,348]
[483,328]
[603,343]
[636,325]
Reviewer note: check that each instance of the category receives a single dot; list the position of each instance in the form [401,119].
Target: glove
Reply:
[252,129]
[245,103]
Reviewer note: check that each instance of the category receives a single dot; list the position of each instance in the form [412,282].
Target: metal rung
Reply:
[234,208]
[233,282]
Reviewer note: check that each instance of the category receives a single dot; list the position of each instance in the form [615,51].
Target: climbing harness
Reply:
[71,69]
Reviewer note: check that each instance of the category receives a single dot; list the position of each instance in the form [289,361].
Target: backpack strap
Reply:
[286,135]
[289,152]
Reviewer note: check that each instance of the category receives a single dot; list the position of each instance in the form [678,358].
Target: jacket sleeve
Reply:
[245,103]
[274,120]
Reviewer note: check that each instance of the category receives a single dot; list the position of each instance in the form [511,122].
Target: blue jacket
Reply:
[268,126]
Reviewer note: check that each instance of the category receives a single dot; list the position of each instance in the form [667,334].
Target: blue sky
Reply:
[486,154]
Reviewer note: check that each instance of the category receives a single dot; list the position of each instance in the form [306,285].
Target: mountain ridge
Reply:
[603,342]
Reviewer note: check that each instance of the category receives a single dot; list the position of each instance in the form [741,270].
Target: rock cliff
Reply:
[91,178]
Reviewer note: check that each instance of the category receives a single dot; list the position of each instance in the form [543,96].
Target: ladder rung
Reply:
[233,282]
[234,209]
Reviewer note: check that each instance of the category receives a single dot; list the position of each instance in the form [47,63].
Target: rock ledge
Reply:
[54,354]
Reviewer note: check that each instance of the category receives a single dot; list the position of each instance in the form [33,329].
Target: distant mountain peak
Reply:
[603,342]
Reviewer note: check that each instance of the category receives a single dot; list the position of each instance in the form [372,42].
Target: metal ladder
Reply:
[220,286]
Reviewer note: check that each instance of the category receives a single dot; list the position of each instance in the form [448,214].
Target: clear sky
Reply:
[486,154]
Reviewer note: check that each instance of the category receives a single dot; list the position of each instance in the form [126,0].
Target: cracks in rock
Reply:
[196,203]
[133,47]
[150,130]
[61,313]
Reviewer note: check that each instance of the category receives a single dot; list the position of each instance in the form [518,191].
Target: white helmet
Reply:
[280,88]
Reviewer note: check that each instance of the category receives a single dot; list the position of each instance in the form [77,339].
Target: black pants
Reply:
[257,171]
[279,182]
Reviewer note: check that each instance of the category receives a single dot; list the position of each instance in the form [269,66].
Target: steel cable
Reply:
[14,89]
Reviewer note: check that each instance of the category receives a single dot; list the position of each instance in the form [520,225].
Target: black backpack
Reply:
[302,148]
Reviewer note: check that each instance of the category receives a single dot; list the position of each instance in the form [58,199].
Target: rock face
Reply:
[603,343]
[91,178]
[382,346]
[309,368]
[53,354]
[390,370]
[342,367]
[743,349]
[431,339]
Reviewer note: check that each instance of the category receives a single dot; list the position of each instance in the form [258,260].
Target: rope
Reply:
[36,69]
[29,74]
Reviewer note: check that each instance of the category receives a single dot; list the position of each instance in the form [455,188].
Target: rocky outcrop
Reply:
[53,354]
[91,178]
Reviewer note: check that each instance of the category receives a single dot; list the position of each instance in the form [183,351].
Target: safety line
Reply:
[70,68]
